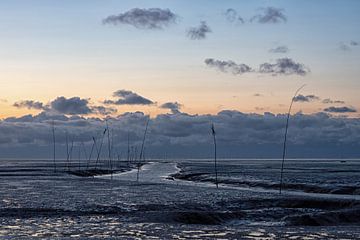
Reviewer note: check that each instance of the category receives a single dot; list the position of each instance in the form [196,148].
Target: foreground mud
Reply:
[158,207]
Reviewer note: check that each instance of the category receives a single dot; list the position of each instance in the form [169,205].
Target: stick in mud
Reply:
[113,155]
[79,156]
[91,151]
[99,150]
[118,159]
[215,160]
[70,153]
[285,138]
[84,150]
[67,151]
[128,148]
[142,150]
[54,149]
[109,149]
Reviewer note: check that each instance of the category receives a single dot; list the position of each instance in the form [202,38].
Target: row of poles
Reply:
[131,151]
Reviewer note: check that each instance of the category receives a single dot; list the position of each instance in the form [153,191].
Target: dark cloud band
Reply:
[234,128]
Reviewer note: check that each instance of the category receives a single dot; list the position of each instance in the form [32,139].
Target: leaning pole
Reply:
[285,138]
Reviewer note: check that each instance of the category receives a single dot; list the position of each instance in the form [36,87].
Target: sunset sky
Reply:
[198,57]
[53,48]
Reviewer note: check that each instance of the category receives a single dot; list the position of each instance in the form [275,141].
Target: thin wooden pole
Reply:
[128,148]
[67,151]
[71,150]
[285,138]
[54,149]
[91,152]
[99,150]
[109,148]
[142,149]
[215,155]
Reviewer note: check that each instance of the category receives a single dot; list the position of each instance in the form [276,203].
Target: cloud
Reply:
[307,98]
[284,66]
[151,18]
[348,46]
[30,104]
[71,106]
[68,106]
[228,66]
[279,49]
[344,47]
[128,98]
[260,108]
[340,110]
[270,15]
[173,106]
[232,16]
[103,110]
[169,132]
[200,32]
[330,101]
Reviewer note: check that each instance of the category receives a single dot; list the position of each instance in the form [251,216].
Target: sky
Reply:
[186,64]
